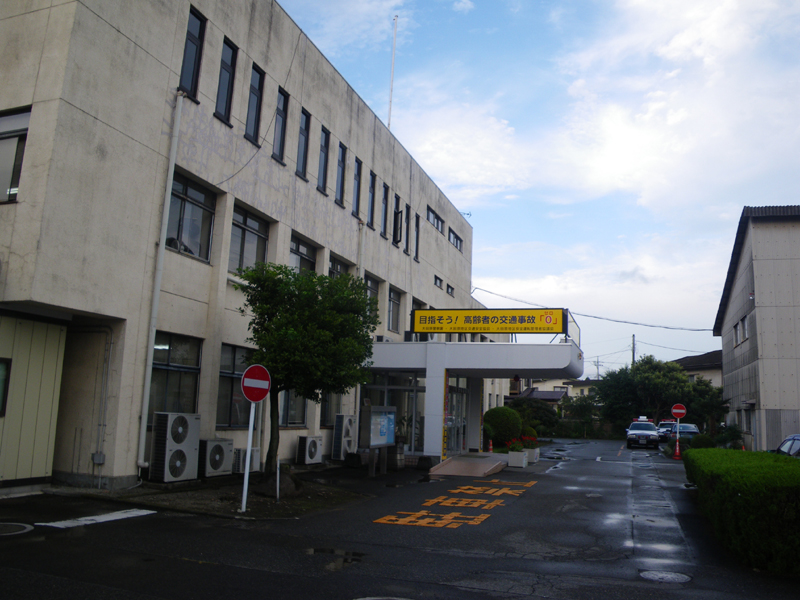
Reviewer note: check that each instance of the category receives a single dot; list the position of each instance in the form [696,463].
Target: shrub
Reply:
[702,440]
[752,500]
[529,432]
[730,437]
[505,422]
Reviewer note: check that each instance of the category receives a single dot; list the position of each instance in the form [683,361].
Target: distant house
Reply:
[708,366]
[759,322]
[553,398]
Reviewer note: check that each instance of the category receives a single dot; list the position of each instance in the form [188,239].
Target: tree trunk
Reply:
[271,465]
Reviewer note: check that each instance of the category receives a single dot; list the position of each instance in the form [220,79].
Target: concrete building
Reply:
[708,366]
[759,322]
[149,149]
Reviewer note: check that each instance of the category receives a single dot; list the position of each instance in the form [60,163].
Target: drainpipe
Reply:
[162,240]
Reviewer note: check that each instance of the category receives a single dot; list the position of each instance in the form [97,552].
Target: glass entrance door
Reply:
[455,419]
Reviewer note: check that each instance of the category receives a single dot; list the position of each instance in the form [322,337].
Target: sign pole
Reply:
[247,460]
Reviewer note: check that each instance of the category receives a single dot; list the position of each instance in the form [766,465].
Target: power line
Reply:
[594,316]
[668,348]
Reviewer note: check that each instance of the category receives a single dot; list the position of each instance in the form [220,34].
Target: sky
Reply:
[601,150]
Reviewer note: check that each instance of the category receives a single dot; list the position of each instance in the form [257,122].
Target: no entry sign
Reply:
[678,411]
[255,383]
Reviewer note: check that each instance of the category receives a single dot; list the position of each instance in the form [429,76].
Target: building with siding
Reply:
[759,323]
[149,149]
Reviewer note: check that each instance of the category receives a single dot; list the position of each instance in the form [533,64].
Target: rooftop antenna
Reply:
[391,82]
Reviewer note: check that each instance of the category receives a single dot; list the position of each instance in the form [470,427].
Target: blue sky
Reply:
[604,150]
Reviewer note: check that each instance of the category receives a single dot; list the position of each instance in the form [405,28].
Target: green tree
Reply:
[535,413]
[659,386]
[617,392]
[706,405]
[312,332]
[580,408]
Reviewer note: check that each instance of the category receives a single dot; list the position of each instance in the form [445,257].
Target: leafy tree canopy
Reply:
[535,413]
[313,333]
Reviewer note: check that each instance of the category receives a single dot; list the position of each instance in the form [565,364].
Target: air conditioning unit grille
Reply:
[174,448]
[309,450]
[344,436]
[216,457]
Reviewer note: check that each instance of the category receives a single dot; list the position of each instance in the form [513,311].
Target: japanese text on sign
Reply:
[490,320]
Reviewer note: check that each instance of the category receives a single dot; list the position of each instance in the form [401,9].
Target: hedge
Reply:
[752,500]
[505,422]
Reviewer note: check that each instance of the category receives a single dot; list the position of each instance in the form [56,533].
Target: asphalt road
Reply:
[591,520]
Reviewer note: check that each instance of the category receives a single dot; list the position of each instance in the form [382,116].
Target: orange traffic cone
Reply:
[677,454]
[491,449]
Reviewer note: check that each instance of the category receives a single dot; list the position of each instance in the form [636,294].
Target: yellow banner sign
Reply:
[493,320]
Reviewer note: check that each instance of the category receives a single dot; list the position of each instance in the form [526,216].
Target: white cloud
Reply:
[463,6]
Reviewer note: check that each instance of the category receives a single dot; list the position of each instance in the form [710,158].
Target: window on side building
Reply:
[233,409]
[192,53]
[451,290]
[5,376]
[416,237]
[330,406]
[357,187]
[322,175]
[408,228]
[249,237]
[384,210]
[13,135]
[254,105]
[227,70]
[435,220]
[176,374]
[191,218]
[336,267]
[394,311]
[455,240]
[303,256]
[372,287]
[302,143]
[371,201]
[397,222]
[340,172]
[281,112]
[293,410]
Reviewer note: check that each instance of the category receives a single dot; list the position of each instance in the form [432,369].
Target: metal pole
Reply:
[162,240]
[247,459]
[391,82]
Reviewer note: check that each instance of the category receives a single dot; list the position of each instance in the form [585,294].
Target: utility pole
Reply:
[633,350]
[597,365]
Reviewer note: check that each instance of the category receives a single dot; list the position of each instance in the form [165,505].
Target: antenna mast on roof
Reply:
[391,81]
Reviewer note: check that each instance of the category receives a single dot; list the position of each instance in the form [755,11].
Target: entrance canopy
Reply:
[484,360]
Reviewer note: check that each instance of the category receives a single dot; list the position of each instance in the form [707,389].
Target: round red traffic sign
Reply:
[255,383]
[678,411]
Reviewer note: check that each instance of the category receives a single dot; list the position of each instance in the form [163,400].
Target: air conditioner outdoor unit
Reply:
[309,450]
[175,446]
[240,458]
[344,436]
[216,457]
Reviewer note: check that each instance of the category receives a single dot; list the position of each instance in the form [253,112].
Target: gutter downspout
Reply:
[162,239]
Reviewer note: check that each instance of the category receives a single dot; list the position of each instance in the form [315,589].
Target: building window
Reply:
[416,237]
[744,328]
[438,281]
[191,217]
[5,376]
[357,188]
[302,143]
[303,256]
[254,105]
[336,267]
[322,176]
[249,236]
[192,52]
[227,70]
[455,240]
[330,406]
[436,220]
[281,111]
[176,373]
[13,134]
[384,209]
[397,222]
[736,335]
[340,170]
[451,290]
[372,287]
[233,409]
[394,311]
[293,410]
[408,227]
[371,201]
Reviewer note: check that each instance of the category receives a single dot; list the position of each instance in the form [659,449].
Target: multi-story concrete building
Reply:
[148,150]
[759,322]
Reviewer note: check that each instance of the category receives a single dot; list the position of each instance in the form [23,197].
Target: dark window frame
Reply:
[231,382]
[324,149]
[229,70]
[254,99]
[435,220]
[191,71]
[408,228]
[393,315]
[281,117]
[176,369]
[385,210]
[248,231]
[302,143]
[283,419]
[341,172]
[16,128]
[337,267]
[185,198]
[454,239]
[305,251]
[358,166]
[371,201]
[451,291]
[416,236]
[397,222]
